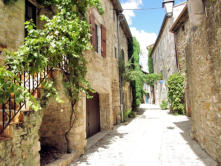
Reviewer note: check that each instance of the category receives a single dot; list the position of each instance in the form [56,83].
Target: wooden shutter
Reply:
[93,30]
[103,41]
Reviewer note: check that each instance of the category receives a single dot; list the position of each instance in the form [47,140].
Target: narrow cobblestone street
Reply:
[154,138]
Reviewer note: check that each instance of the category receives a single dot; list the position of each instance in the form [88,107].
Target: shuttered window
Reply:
[103,41]
[93,30]
[98,36]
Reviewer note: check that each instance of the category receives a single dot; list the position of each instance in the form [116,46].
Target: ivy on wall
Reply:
[150,61]
[133,74]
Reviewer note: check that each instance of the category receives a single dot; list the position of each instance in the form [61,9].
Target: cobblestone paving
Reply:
[154,138]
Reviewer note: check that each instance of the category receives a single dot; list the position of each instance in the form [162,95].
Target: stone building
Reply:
[181,28]
[50,130]
[164,54]
[203,64]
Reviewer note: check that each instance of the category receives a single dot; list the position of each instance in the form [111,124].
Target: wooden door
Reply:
[93,115]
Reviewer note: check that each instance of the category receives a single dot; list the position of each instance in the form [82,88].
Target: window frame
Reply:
[29,5]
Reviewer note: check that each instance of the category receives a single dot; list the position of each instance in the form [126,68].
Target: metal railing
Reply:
[10,109]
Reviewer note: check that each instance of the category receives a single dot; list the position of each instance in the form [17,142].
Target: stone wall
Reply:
[181,37]
[56,122]
[103,76]
[24,146]
[164,59]
[103,72]
[11,25]
[204,73]
[164,54]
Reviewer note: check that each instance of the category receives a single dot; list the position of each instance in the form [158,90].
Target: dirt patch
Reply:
[49,154]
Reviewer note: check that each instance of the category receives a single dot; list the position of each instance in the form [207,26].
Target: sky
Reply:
[144,24]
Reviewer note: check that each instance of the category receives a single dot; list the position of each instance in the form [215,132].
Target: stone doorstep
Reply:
[144,107]
[65,160]
[94,139]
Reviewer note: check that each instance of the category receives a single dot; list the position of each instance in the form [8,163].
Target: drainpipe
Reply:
[119,14]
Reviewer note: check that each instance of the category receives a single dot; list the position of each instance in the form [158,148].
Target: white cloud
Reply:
[144,40]
[130,4]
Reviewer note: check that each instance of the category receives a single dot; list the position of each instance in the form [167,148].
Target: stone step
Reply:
[19,118]
[149,107]
[2,138]
[8,132]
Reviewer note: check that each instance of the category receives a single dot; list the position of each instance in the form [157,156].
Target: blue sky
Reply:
[144,24]
[148,20]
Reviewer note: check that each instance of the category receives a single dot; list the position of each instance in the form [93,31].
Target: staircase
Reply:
[12,113]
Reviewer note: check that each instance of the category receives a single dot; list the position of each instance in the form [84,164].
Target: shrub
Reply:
[132,114]
[175,85]
[129,114]
[164,105]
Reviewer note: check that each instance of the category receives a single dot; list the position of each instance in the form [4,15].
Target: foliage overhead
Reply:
[151,78]
[175,85]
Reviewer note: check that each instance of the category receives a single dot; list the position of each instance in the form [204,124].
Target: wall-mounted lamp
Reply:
[168,5]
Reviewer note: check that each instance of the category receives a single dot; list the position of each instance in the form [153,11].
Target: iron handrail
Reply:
[32,85]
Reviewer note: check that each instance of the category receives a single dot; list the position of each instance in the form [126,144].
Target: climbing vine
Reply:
[150,61]
[65,36]
[132,73]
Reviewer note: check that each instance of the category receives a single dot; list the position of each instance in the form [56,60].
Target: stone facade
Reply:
[24,146]
[204,72]
[181,28]
[11,16]
[164,55]
[103,75]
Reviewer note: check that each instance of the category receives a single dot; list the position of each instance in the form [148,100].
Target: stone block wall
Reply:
[56,121]
[204,73]
[12,24]
[164,59]
[182,39]
[24,146]
[103,76]
[164,54]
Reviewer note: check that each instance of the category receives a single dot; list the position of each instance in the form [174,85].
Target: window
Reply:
[30,13]
[103,41]
[98,36]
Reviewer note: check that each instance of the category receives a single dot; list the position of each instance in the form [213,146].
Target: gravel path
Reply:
[154,138]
